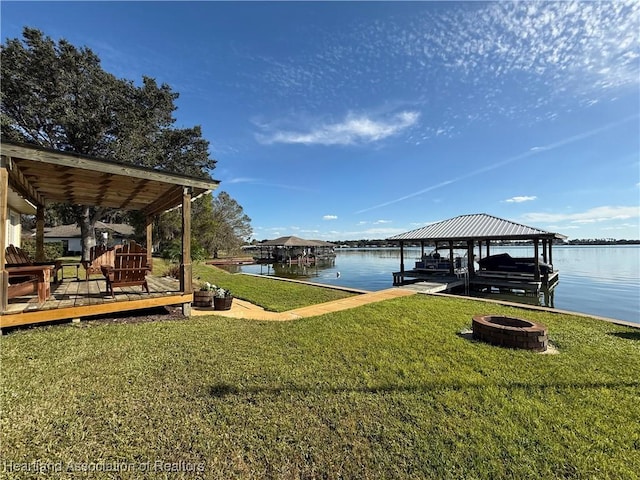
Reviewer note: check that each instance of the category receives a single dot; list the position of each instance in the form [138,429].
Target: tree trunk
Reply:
[87,233]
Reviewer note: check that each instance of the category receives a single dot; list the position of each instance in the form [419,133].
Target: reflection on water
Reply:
[600,280]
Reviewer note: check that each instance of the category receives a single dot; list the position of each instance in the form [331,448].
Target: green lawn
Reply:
[272,295]
[389,390]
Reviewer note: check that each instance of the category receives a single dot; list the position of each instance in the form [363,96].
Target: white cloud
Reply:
[564,51]
[354,129]
[380,222]
[330,217]
[261,182]
[242,180]
[520,199]
[594,215]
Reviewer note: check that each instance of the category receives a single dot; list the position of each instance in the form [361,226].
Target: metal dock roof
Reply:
[475,227]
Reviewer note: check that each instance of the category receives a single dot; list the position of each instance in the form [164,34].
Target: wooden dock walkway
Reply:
[435,285]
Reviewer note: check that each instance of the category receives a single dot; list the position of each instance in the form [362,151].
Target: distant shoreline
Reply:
[571,243]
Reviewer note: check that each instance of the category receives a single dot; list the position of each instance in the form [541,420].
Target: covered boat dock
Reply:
[476,232]
[292,250]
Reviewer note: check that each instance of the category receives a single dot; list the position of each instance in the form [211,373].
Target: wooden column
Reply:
[186,269]
[4,194]
[470,248]
[550,254]
[40,234]
[149,232]
[402,259]
[488,252]
[544,250]
[421,249]
[451,258]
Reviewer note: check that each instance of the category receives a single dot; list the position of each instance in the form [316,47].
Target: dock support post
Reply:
[451,260]
[536,261]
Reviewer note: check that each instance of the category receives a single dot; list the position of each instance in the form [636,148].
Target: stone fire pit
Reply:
[510,332]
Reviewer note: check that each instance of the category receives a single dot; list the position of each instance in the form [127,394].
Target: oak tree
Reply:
[58,96]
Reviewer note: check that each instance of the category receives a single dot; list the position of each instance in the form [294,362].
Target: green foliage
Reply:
[233,226]
[58,96]
[172,252]
[388,390]
[52,250]
[217,224]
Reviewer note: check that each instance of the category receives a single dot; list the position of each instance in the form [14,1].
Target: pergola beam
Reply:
[19,182]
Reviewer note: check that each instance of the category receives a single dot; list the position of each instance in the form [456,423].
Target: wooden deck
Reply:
[73,298]
[419,275]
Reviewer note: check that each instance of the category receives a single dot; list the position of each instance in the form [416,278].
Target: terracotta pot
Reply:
[222,303]
[202,298]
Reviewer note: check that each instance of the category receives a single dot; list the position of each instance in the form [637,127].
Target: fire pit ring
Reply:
[510,332]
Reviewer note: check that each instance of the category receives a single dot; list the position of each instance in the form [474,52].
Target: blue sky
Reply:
[349,120]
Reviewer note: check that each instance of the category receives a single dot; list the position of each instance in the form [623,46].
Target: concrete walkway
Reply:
[247,310]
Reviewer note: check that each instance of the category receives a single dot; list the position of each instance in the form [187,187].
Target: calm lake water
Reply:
[600,280]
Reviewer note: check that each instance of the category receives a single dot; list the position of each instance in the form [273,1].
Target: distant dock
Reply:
[231,261]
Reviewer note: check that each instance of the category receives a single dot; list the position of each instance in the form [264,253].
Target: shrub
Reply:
[173,252]
[52,250]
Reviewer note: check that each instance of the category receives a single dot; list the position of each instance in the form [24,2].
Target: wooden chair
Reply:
[17,257]
[99,256]
[130,268]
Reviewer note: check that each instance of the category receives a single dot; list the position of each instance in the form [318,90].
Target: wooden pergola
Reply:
[43,176]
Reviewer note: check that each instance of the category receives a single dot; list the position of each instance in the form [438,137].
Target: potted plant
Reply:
[204,297]
[222,299]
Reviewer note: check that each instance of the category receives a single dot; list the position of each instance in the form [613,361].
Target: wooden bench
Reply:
[17,257]
[130,268]
[38,279]
[27,277]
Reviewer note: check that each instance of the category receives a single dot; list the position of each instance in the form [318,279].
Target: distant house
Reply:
[69,235]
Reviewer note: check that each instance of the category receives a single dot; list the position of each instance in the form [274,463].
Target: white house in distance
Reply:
[16,206]
[71,238]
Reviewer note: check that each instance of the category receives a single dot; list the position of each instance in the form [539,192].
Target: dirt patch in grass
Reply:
[156,314]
